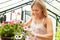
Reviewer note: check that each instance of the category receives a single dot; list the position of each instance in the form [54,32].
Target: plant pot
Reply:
[6,38]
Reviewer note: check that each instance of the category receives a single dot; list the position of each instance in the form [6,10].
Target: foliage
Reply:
[58,33]
[11,30]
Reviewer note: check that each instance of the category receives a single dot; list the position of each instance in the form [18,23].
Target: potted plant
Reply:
[12,31]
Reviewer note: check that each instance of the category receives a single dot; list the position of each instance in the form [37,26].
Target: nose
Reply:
[34,12]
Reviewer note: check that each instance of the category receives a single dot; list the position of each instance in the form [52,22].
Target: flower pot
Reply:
[6,38]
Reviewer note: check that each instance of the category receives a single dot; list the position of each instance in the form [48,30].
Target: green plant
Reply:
[58,33]
[9,30]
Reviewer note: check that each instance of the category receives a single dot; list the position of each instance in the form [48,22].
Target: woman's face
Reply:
[36,11]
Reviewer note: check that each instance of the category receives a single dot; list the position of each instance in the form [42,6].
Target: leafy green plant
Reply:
[58,32]
[9,30]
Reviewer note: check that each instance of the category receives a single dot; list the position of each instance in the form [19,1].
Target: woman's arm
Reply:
[49,30]
[28,22]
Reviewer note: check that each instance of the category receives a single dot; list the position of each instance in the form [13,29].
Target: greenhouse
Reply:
[16,12]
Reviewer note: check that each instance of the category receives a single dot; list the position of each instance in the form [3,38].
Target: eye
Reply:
[35,10]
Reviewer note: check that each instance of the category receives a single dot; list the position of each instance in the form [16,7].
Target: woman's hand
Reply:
[21,24]
[27,29]
[33,33]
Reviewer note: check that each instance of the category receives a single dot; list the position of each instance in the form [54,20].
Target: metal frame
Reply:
[58,1]
[49,1]
[5,1]
[17,7]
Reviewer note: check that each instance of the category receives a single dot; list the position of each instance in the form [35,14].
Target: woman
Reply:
[40,23]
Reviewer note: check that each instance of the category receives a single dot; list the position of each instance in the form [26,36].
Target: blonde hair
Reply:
[40,5]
